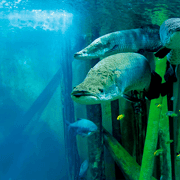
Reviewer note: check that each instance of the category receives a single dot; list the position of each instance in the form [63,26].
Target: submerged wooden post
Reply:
[124,160]
[107,114]
[151,141]
[116,131]
[165,162]
[140,118]
[176,124]
[95,144]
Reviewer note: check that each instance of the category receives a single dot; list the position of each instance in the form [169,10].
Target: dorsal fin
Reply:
[151,27]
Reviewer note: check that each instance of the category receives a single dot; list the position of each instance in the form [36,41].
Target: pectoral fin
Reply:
[130,98]
[162,52]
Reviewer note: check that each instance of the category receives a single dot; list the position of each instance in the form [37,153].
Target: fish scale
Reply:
[133,40]
[113,76]
[169,33]
[170,38]
[174,56]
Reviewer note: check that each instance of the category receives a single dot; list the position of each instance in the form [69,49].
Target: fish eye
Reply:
[101,90]
[74,87]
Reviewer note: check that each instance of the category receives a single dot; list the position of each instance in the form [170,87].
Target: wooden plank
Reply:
[125,161]
[95,144]
[151,141]
[116,131]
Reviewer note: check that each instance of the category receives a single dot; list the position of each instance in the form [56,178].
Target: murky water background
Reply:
[36,38]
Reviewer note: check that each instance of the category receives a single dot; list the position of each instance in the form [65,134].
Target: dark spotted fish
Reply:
[113,76]
[133,40]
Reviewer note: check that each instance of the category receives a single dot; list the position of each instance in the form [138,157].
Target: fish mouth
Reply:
[78,94]
[85,55]
[80,55]
[84,97]
[76,55]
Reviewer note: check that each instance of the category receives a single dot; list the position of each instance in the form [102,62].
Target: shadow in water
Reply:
[36,155]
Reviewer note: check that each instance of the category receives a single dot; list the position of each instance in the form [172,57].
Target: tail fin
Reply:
[68,124]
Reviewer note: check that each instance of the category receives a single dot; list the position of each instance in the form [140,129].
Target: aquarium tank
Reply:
[89,90]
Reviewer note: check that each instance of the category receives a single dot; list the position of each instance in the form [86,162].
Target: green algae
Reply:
[155,115]
[124,160]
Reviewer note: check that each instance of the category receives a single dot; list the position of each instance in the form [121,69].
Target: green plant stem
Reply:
[151,141]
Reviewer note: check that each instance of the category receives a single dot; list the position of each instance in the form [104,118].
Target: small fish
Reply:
[178,157]
[170,37]
[158,152]
[134,40]
[169,142]
[120,117]
[83,168]
[112,77]
[83,127]
[158,105]
[172,98]
[171,114]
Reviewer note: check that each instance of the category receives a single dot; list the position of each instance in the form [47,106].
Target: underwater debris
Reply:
[83,127]
[158,152]
[171,114]
[121,116]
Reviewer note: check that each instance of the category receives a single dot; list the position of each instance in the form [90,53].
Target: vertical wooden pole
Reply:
[107,123]
[68,110]
[95,144]
[176,121]
[165,158]
[140,118]
[116,131]
[150,142]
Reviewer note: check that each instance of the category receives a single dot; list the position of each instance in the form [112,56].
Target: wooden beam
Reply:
[124,160]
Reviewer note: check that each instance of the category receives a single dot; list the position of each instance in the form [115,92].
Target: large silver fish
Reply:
[133,40]
[170,36]
[113,76]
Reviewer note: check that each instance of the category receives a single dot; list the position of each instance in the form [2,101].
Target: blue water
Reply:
[32,47]
[37,37]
